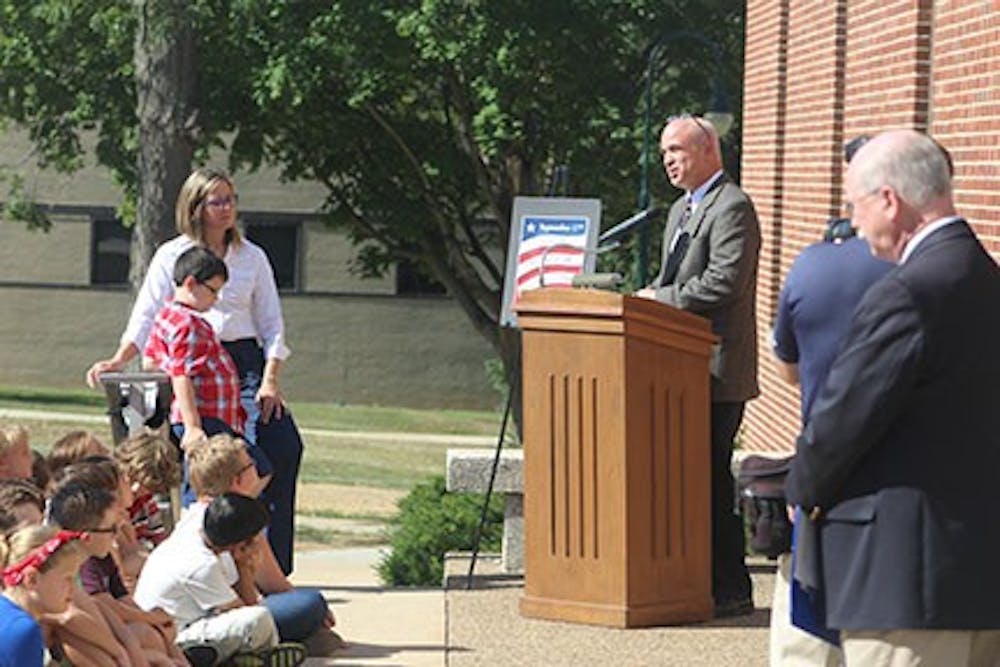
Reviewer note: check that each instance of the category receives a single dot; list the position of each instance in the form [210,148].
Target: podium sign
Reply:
[617,498]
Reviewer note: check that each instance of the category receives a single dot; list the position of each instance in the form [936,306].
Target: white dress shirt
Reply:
[912,244]
[247,307]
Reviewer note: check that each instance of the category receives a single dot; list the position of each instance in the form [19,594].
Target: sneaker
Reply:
[285,654]
[201,655]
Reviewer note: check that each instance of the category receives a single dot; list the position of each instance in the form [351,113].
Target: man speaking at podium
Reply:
[710,247]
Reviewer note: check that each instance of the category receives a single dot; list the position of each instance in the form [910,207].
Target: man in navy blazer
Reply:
[900,457]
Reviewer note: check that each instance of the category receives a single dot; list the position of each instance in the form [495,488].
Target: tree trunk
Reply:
[165,90]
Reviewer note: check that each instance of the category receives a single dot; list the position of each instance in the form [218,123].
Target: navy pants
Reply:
[281,444]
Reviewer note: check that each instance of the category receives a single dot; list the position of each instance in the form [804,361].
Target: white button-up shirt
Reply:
[247,307]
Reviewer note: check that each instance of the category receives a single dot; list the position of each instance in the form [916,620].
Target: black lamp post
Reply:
[718,113]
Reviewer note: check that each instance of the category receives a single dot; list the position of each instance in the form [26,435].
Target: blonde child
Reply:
[72,447]
[15,455]
[38,567]
[150,466]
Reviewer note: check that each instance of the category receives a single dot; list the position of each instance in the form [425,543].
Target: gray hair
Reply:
[911,163]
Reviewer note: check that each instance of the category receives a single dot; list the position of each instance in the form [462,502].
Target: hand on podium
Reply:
[646,293]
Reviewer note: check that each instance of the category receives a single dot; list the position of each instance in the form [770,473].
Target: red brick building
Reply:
[819,72]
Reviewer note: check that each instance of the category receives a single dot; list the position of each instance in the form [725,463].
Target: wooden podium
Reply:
[616,459]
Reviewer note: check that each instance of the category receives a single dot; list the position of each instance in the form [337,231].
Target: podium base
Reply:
[675,612]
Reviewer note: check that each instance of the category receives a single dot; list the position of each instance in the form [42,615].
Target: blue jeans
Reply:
[298,613]
[280,442]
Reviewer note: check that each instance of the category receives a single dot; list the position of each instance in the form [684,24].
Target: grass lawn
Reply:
[345,476]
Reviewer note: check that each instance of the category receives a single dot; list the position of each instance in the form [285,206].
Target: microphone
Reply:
[625,227]
[606,281]
[596,280]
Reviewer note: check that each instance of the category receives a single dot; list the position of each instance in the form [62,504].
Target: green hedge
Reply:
[430,522]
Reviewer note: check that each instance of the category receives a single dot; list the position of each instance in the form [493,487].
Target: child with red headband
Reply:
[38,568]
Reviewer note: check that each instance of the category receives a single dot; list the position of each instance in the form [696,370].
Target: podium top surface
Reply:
[559,307]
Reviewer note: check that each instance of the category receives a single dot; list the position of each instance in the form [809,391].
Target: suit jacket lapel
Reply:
[705,204]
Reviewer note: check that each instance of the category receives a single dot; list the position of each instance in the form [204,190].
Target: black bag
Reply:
[760,488]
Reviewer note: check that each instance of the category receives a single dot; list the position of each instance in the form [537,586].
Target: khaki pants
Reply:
[909,648]
[790,646]
[241,629]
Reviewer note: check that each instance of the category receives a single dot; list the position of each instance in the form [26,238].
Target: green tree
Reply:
[423,120]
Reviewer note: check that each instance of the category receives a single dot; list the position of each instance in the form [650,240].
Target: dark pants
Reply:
[730,577]
[281,443]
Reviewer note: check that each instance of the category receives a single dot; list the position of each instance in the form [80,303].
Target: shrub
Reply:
[430,522]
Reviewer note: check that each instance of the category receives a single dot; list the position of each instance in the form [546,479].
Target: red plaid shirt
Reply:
[183,343]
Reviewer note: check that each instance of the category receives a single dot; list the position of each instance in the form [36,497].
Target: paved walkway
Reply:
[460,628]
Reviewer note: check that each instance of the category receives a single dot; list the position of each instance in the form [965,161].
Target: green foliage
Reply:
[423,120]
[430,522]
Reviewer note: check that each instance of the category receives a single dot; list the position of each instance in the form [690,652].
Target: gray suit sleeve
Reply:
[734,242]
[868,383]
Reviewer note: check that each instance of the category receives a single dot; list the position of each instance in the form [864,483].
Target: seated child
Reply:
[72,447]
[185,576]
[21,505]
[222,464]
[149,465]
[40,473]
[88,505]
[38,566]
[204,378]
[15,455]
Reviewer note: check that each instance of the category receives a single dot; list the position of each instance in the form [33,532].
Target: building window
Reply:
[410,280]
[110,242]
[281,243]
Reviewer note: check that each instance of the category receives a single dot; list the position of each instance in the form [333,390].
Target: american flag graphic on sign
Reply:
[553,246]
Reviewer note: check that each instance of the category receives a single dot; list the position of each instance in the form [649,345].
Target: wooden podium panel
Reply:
[616,462]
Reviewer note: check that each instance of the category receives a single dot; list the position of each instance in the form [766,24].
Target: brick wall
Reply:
[819,73]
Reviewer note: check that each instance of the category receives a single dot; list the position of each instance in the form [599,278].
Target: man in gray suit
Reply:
[710,248]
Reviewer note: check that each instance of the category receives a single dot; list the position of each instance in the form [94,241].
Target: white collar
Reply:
[696,195]
[912,244]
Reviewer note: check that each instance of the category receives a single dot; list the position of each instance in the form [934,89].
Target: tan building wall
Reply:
[418,352]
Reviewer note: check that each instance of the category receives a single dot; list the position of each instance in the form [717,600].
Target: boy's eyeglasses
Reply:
[245,468]
[213,290]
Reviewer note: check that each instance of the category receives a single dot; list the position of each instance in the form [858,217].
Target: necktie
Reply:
[680,245]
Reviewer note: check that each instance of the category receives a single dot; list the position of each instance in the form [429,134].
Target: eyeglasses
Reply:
[213,290]
[110,530]
[222,202]
[698,120]
[245,468]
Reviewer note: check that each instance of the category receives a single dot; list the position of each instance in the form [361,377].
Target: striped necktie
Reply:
[679,246]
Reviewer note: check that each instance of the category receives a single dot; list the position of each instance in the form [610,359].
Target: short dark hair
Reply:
[199,263]
[854,145]
[77,506]
[14,492]
[233,518]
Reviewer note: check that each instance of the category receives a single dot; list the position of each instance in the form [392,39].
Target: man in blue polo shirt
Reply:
[815,309]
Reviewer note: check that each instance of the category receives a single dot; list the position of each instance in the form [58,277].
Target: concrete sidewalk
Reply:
[482,626]
[382,626]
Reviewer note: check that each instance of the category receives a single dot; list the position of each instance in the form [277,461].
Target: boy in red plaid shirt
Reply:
[182,344]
